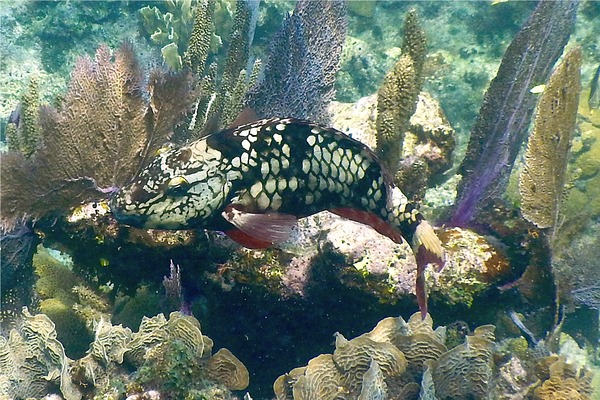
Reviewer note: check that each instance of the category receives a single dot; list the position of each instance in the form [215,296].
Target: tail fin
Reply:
[428,249]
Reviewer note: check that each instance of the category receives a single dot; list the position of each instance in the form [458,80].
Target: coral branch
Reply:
[100,137]
[543,177]
[501,127]
[304,57]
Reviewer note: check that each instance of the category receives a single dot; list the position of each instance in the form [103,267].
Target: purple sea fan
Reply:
[298,80]
[505,115]
[106,127]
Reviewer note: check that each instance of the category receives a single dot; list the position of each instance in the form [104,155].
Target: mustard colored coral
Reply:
[543,177]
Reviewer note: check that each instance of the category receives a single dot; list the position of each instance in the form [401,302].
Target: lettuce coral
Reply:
[33,361]
[170,356]
[170,29]
[409,360]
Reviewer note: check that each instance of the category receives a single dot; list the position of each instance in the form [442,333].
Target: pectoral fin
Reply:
[262,229]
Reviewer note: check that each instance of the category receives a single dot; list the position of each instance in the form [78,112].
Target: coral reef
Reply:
[170,356]
[397,97]
[563,381]
[33,361]
[200,37]
[18,279]
[370,264]
[500,129]
[466,370]
[333,272]
[73,307]
[409,360]
[576,267]
[582,199]
[170,29]
[224,78]
[429,140]
[23,135]
[427,151]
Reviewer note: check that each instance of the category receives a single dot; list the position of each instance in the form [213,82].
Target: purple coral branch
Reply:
[501,127]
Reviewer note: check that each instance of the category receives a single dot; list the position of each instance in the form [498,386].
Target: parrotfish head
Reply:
[179,189]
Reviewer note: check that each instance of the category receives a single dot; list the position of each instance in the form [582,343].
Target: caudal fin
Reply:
[428,249]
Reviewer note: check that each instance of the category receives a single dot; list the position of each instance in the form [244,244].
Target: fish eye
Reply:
[177,186]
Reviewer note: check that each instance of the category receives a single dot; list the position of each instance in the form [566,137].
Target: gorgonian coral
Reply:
[108,123]
[501,127]
[304,57]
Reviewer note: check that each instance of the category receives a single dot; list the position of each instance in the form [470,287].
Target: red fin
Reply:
[245,116]
[246,240]
[271,227]
[368,218]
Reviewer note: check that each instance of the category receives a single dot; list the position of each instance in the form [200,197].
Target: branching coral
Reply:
[397,96]
[102,134]
[223,84]
[200,37]
[23,135]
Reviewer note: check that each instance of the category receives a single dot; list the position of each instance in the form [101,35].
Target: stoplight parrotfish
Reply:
[255,180]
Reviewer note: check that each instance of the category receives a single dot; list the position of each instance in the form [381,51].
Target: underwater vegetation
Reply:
[96,326]
[104,130]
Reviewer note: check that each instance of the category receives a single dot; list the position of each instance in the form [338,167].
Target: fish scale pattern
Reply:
[303,165]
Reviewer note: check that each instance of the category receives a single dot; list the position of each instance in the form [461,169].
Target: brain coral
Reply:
[353,359]
[408,360]
[416,339]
